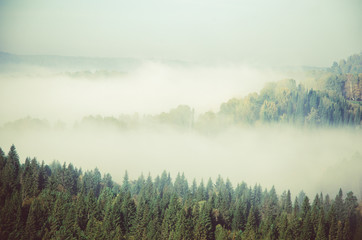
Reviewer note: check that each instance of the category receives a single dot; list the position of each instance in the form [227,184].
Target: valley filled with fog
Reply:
[182,119]
[43,114]
[288,158]
[151,87]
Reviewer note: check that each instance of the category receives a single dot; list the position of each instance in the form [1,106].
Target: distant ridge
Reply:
[77,63]
[68,63]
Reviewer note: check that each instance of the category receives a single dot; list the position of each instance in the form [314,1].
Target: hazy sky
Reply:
[279,32]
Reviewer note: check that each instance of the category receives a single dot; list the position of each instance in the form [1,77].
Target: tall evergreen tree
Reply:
[308,228]
[347,233]
[338,205]
[65,205]
[321,230]
[203,227]
[251,231]
[11,171]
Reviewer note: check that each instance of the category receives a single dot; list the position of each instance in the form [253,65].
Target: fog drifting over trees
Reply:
[146,140]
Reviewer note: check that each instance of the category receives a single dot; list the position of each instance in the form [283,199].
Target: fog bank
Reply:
[312,160]
[151,88]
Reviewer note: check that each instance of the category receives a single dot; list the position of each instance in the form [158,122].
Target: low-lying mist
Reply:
[308,159]
[312,160]
[151,88]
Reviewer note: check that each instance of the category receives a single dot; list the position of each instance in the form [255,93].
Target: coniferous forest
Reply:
[39,201]
[180,120]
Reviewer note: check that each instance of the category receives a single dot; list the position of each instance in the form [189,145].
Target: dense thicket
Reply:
[38,201]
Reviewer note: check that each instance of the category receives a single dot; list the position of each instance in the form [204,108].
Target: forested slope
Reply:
[327,97]
[38,201]
[344,78]
[330,97]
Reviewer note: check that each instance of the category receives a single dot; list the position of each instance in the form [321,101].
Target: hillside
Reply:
[344,78]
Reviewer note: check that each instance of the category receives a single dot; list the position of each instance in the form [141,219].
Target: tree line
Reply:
[327,97]
[39,201]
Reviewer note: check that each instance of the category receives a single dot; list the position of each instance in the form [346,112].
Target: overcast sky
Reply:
[279,32]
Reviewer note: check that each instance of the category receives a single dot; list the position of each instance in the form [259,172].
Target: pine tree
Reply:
[117,218]
[170,219]
[81,211]
[26,180]
[282,222]
[184,224]
[11,171]
[59,210]
[194,188]
[308,229]
[305,208]
[288,204]
[125,184]
[2,180]
[201,192]
[220,233]
[339,204]
[70,223]
[333,225]
[347,234]
[296,208]
[2,160]
[10,217]
[139,229]
[350,206]
[35,220]
[295,228]
[209,189]
[315,212]
[43,176]
[251,231]
[129,212]
[339,231]
[327,203]
[35,177]
[239,219]
[203,227]
[321,230]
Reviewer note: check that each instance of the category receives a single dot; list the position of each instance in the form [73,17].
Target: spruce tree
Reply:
[288,204]
[36,218]
[333,228]
[251,230]
[11,171]
[308,228]
[296,208]
[339,204]
[203,227]
[305,208]
[321,230]
[347,233]
[339,231]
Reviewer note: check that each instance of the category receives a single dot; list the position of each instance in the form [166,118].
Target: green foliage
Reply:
[65,203]
[182,116]
[286,103]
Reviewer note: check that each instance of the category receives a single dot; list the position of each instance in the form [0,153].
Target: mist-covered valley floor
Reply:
[43,114]
[182,119]
[312,160]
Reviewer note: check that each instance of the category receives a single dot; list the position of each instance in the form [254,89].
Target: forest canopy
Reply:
[39,201]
